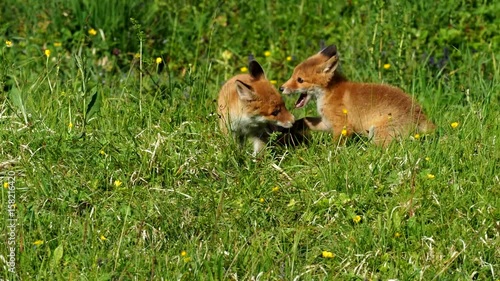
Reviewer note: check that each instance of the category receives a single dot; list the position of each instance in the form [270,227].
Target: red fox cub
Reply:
[381,112]
[249,107]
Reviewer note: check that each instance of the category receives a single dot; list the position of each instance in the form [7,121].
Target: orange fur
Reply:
[381,112]
[249,107]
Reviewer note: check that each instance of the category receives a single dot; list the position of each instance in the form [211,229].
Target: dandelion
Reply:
[92,32]
[103,238]
[427,159]
[289,58]
[430,176]
[417,136]
[267,53]
[356,219]
[344,132]
[158,60]
[344,111]
[137,56]
[70,125]
[274,82]
[397,235]
[47,53]
[185,256]
[38,242]
[327,254]
[5,185]
[102,152]
[57,44]
[454,125]
[227,55]
[276,188]
[118,183]
[387,66]
[8,43]
[261,200]
[244,69]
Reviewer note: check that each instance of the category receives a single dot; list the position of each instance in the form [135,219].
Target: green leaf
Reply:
[56,257]
[17,100]
[93,106]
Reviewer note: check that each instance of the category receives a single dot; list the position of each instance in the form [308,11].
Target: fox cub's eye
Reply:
[276,112]
[300,80]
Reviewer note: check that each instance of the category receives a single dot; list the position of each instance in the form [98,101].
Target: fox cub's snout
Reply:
[249,106]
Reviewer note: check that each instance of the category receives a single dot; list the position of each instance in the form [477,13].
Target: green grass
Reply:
[118,170]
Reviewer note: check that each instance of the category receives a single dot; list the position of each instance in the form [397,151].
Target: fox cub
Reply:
[250,107]
[381,112]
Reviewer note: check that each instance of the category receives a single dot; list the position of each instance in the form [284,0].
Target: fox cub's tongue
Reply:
[301,101]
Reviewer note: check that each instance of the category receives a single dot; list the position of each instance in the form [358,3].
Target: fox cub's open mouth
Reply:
[303,99]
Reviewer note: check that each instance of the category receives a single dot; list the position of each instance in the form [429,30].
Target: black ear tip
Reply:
[330,51]
[255,69]
[253,63]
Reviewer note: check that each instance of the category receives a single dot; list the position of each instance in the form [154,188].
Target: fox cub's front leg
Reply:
[258,145]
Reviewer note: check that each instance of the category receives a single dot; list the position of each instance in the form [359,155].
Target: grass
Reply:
[123,174]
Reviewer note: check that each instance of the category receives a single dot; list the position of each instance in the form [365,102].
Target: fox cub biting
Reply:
[381,112]
[250,107]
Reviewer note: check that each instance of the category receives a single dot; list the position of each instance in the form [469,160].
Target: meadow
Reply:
[113,166]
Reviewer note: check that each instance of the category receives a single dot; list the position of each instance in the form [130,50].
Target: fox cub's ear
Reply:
[329,51]
[245,91]
[255,69]
[333,58]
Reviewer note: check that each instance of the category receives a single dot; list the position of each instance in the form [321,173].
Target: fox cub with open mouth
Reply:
[249,106]
[381,112]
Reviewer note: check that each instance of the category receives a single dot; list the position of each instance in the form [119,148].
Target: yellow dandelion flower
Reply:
[344,111]
[344,132]
[137,56]
[103,238]
[327,254]
[274,82]
[5,185]
[38,242]
[397,235]
[454,125]
[356,219]
[417,136]
[158,60]
[276,188]
[57,44]
[92,32]
[102,152]
[430,176]
[387,66]
[8,43]
[47,53]
[427,159]
[244,69]
[227,55]
[267,53]
[289,58]
[183,253]
[118,183]
[261,200]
